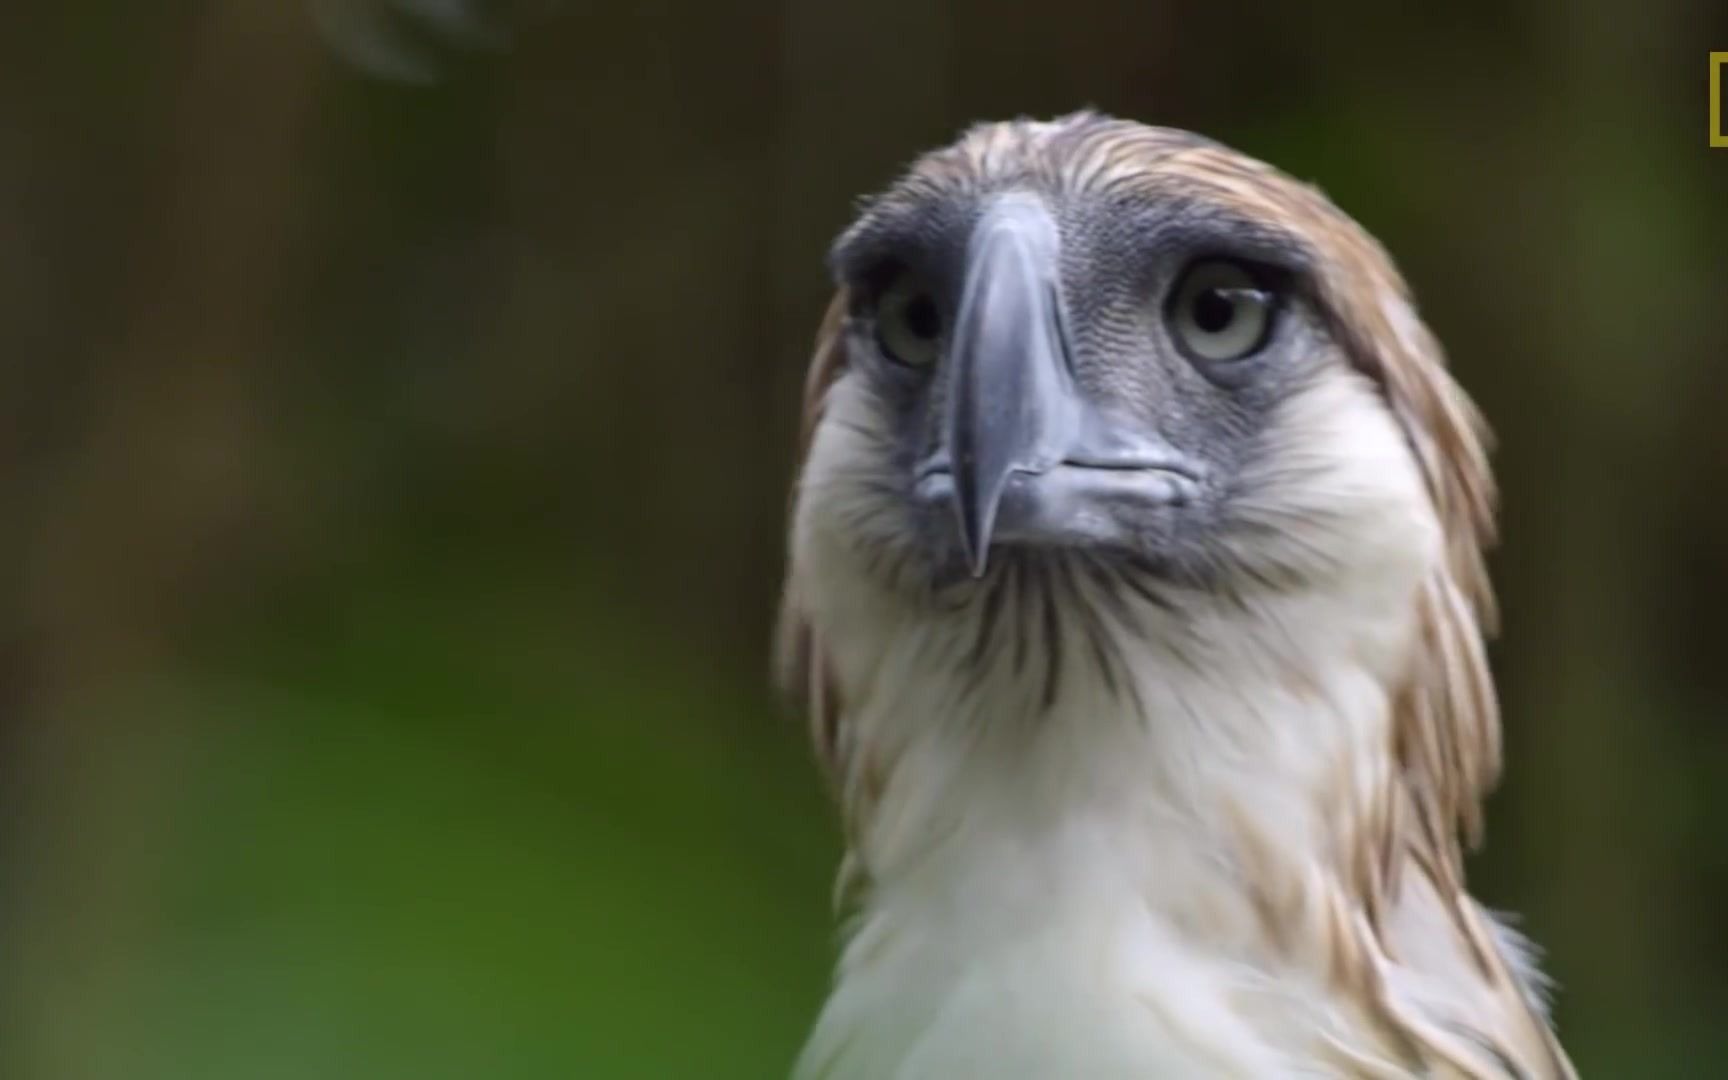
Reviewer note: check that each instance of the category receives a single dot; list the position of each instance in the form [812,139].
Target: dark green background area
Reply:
[394,480]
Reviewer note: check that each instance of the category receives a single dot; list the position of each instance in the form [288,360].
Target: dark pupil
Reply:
[922,318]
[1213,310]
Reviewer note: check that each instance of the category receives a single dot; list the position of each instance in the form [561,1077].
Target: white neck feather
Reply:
[1034,869]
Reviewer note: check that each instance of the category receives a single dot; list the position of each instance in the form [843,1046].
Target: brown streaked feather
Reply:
[826,363]
[1446,726]
[801,669]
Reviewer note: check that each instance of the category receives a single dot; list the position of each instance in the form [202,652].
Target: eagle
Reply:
[1137,603]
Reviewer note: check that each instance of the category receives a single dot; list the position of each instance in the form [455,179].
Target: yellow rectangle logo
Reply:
[1718,137]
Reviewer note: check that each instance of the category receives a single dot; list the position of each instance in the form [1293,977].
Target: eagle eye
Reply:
[909,322]
[1220,311]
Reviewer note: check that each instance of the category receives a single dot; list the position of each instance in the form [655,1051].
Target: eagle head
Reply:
[1105,361]
[1136,559]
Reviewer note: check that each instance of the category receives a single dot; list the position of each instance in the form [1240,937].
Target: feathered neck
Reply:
[1188,794]
[1246,734]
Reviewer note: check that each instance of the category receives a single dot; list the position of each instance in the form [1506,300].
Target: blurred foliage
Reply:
[397,472]
[452,838]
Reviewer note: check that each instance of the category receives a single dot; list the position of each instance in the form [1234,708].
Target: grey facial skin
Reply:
[1061,412]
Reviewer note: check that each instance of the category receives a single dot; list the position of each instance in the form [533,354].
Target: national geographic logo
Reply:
[1718,137]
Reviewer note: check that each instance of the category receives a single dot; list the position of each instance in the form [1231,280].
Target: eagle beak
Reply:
[1012,404]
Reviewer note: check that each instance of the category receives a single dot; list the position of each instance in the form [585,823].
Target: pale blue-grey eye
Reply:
[909,323]
[1219,312]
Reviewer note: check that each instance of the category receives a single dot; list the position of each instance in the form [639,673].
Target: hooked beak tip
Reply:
[978,561]
[976,517]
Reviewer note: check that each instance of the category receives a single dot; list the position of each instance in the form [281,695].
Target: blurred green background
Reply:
[394,478]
